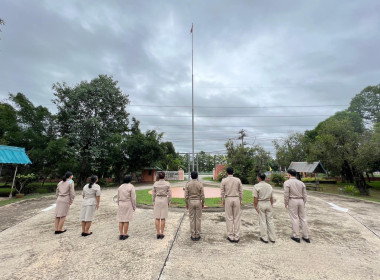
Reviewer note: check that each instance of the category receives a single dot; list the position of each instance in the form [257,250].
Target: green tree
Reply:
[367,104]
[89,115]
[142,149]
[292,148]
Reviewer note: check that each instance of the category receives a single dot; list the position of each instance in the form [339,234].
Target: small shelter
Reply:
[13,155]
[149,174]
[308,167]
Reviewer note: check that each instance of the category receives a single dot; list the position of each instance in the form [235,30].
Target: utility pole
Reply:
[192,85]
[242,135]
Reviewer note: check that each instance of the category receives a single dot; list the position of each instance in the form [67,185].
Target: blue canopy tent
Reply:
[13,155]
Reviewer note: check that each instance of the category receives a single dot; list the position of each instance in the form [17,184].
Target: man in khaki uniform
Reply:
[231,191]
[263,201]
[295,199]
[195,201]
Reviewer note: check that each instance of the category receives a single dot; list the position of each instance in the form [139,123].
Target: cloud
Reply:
[262,55]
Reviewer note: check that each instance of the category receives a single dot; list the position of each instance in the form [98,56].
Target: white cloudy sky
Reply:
[252,60]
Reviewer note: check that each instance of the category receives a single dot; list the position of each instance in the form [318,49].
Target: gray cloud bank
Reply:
[256,54]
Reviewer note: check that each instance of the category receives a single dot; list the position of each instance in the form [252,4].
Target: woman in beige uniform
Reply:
[161,196]
[126,199]
[65,196]
[91,200]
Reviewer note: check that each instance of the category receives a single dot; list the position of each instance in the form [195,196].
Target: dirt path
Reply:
[344,245]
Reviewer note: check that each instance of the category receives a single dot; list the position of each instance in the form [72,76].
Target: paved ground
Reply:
[344,245]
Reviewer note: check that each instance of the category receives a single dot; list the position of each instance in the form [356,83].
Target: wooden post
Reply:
[14,179]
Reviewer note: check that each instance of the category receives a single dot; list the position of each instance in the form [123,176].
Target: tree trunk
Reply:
[361,184]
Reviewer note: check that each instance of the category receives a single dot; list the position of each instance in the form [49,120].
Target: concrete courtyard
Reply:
[344,245]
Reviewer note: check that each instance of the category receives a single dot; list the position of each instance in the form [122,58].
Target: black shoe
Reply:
[295,239]
[236,240]
[87,234]
[162,236]
[125,236]
[229,239]
[193,238]
[158,236]
[262,240]
[121,237]
[56,232]
[198,238]
[272,241]
[83,233]
[60,231]
[307,240]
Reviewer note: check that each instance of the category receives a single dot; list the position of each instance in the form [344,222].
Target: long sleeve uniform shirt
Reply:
[162,188]
[194,191]
[294,188]
[66,188]
[231,187]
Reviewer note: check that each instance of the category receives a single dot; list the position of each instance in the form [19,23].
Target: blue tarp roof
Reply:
[14,155]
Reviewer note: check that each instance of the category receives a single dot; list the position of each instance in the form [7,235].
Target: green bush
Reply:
[36,187]
[4,192]
[252,180]
[102,182]
[351,190]
[278,179]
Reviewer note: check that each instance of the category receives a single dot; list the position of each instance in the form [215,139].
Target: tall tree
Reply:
[367,104]
[291,148]
[89,114]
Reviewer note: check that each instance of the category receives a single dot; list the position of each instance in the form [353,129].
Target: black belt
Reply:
[162,195]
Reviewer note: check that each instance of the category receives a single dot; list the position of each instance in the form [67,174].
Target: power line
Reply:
[239,107]
[229,116]
[180,125]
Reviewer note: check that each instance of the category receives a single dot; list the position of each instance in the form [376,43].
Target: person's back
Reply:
[194,190]
[263,190]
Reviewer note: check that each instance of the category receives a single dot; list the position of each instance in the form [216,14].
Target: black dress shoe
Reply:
[193,238]
[229,239]
[198,238]
[295,239]
[83,233]
[60,231]
[307,240]
[236,240]
[162,236]
[121,237]
[87,234]
[262,240]
[272,241]
[158,236]
[56,232]
[125,236]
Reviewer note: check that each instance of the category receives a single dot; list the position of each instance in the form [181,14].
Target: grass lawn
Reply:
[14,199]
[208,178]
[335,189]
[144,197]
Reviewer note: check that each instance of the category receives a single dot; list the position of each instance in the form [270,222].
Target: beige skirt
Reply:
[87,213]
[160,210]
[62,206]
[125,212]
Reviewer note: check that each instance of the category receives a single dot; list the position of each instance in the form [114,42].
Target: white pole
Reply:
[192,86]
[14,179]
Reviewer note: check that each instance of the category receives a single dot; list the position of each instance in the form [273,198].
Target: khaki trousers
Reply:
[195,214]
[297,215]
[266,221]
[232,209]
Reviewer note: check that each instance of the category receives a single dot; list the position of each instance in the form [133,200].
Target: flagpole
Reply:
[192,86]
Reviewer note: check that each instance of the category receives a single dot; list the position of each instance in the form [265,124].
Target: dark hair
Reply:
[194,175]
[127,179]
[92,180]
[161,175]
[230,170]
[262,176]
[67,175]
[292,172]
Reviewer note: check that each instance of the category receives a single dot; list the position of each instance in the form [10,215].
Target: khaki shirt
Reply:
[90,194]
[294,188]
[126,192]
[263,191]
[162,188]
[231,187]
[194,191]
[66,188]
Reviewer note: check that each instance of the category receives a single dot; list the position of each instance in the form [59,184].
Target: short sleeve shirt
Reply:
[90,194]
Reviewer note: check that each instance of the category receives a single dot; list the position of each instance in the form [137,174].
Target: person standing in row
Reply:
[231,191]
[263,202]
[162,197]
[65,196]
[195,201]
[91,200]
[295,198]
[126,200]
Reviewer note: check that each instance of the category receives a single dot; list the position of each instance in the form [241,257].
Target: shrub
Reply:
[252,180]
[278,179]
[4,192]
[102,182]
[351,190]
